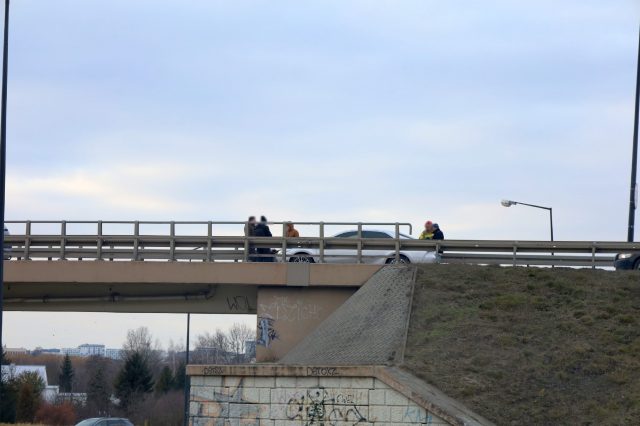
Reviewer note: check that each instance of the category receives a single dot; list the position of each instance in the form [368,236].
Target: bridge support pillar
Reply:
[286,315]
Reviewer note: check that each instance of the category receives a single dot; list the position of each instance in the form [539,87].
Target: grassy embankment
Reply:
[530,346]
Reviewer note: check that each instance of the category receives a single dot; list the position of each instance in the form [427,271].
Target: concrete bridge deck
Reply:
[167,287]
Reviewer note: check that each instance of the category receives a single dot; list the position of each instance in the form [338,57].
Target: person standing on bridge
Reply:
[250,231]
[427,234]
[262,230]
[292,232]
[437,232]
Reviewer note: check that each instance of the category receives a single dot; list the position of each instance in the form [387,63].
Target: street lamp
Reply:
[509,203]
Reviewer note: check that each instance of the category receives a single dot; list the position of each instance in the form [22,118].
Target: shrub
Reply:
[56,415]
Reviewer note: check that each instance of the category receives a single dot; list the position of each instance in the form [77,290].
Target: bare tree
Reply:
[218,340]
[239,334]
[141,341]
[175,354]
[223,348]
[212,348]
[138,340]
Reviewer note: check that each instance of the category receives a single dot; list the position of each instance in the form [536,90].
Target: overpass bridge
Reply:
[202,267]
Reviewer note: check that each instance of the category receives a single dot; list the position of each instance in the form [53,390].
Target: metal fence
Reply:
[90,240]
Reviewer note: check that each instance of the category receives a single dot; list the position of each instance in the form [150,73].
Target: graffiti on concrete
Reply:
[416,414]
[316,408]
[285,309]
[239,304]
[212,371]
[322,371]
[226,404]
[254,401]
[266,331]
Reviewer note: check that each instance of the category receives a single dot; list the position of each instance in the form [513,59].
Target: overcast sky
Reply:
[317,110]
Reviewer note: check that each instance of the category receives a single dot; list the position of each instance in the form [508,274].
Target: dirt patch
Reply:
[530,346]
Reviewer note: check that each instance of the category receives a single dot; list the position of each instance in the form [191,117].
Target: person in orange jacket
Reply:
[292,232]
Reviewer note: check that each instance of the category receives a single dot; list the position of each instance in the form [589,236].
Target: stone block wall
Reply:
[327,399]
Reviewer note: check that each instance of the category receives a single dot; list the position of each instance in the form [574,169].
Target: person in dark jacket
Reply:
[437,232]
[262,230]
[250,231]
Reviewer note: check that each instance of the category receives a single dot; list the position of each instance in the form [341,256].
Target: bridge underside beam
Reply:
[163,287]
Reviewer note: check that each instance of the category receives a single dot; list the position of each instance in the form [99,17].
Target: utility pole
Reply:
[634,156]
[3,158]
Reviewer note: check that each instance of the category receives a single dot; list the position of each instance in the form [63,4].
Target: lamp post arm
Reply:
[533,205]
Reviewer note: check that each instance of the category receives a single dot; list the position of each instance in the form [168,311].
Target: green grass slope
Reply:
[529,346]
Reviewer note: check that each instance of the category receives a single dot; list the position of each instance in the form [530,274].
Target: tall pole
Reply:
[186,377]
[3,158]
[634,156]
[551,221]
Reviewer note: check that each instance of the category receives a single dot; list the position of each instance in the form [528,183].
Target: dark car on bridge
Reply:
[627,261]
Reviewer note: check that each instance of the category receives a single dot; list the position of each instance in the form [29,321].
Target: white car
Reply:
[349,255]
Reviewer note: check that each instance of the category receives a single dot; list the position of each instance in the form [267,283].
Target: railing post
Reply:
[136,241]
[99,242]
[359,259]
[321,242]
[284,242]
[515,250]
[593,256]
[63,240]
[172,246]
[27,240]
[80,247]
[397,242]
[209,238]
[245,254]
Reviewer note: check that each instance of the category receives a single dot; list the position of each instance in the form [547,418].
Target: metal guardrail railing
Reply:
[137,246]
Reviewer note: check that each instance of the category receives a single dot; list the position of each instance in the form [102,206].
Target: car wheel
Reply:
[403,260]
[301,258]
[637,265]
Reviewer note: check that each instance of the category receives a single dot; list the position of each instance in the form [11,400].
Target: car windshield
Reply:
[349,234]
[88,422]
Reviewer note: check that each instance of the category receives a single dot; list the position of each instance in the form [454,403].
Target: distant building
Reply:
[70,351]
[91,350]
[13,371]
[49,351]
[74,398]
[250,350]
[88,349]
[16,351]
[113,353]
